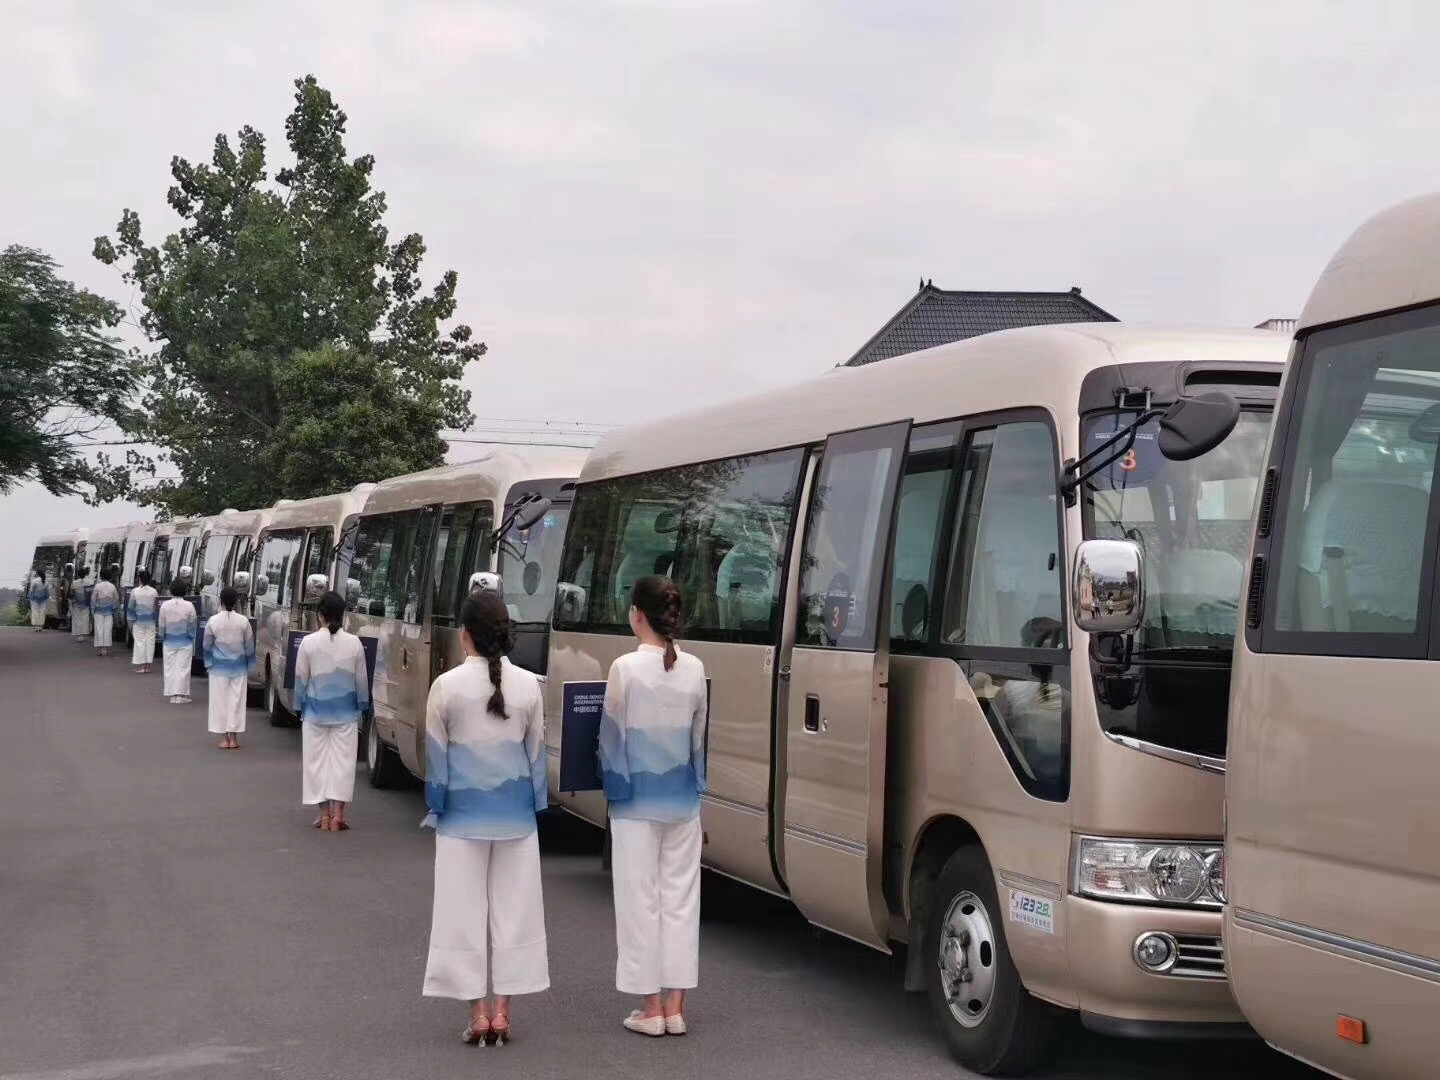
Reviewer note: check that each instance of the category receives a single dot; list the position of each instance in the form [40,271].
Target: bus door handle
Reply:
[812,712]
[405,659]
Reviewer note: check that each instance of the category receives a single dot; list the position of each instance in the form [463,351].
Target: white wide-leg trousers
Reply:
[226,710]
[656,871]
[177,669]
[104,630]
[489,912]
[327,762]
[144,651]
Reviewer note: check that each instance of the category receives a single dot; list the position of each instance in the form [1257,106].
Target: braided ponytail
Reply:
[487,623]
[658,599]
[332,611]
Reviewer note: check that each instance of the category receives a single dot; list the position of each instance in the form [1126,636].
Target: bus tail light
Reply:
[1350,1029]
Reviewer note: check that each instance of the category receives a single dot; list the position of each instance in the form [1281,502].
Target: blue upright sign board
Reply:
[292,649]
[581,706]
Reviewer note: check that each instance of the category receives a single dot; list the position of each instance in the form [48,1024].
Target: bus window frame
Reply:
[1422,643]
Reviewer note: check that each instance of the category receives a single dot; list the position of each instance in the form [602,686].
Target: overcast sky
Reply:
[655,205]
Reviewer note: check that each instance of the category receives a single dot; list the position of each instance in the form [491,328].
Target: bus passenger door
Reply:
[835,683]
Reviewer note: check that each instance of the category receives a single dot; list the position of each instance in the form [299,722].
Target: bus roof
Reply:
[183,527]
[141,530]
[239,522]
[321,510]
[1387,263]
[488,476]
[72,537]
[1004,370]
[115,534]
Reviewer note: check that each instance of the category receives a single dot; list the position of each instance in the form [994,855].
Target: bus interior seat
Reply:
[1015,577]
[915,613]
[1198,590]
[744,587]
[1362,539]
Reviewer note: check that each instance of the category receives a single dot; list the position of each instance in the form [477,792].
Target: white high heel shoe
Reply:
[653,1026]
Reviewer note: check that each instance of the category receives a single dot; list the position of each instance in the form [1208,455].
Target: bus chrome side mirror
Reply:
[207,578]
[241,582]
[352,592]
[262,584]
[316,585]
[483,581]
[185,573]
[1109,592]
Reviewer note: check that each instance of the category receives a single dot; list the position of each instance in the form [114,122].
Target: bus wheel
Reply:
[278,716]
[989,1020]
[383,766]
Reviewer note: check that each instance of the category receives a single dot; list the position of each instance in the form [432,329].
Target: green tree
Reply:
[63,375]
[297,351]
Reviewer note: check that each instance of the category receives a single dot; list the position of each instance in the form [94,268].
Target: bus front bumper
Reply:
[1117,995]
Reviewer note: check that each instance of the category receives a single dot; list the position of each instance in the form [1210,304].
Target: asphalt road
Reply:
[166,910]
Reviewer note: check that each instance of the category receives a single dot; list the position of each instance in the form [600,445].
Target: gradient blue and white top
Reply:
[105,598]
[39,591]
[140,608]
[78,596]
[484,775]
[176,622]
[331,684]
[652,736]
[229,645]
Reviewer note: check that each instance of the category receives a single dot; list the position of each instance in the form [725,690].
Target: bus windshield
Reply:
[1192,521]
[530,564]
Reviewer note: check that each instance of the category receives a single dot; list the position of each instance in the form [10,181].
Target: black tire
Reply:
[607,852]
[1016,1032]
[273,705]
[361,750]
[383,766]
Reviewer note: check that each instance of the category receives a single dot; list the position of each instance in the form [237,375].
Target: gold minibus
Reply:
[408,562]
[1333,809]
[55,555]
[967,616]
[292,567]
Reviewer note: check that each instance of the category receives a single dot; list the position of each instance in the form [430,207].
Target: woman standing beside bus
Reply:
[80,604]
[332,692]
[229,653]
[484,783]
[104,601]
[652,755]
[39,597]
[177,636]
[141,612]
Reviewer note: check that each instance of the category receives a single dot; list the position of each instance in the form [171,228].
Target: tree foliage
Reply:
[297,351]
[63,375]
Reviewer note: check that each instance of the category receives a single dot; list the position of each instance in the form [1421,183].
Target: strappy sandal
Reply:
[475,1035]
[500,1035]
[323,822]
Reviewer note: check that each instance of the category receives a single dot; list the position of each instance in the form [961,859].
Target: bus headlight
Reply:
[1150,871]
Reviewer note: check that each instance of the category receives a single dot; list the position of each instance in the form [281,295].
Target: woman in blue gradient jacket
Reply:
[652,756]
[484,783]
[332,692]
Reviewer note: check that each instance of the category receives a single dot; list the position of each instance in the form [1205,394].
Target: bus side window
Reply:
[1005,571]
[1003,600]
[920,519]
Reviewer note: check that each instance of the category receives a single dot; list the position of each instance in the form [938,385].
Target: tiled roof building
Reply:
[939,316]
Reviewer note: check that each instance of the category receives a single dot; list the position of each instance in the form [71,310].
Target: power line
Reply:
[520,442]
